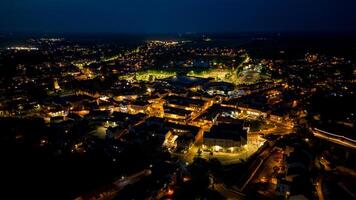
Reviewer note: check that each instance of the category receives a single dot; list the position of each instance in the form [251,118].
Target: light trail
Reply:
[338,139]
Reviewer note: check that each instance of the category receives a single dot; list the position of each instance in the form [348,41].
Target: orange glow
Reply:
[170,192]
[185,179]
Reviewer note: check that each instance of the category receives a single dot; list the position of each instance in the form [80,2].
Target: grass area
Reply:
[149,75]
[235,75]
[218,74]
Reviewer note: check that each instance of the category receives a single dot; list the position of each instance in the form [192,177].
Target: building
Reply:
[219,88]
[186,103]
[225,138]
[177,113]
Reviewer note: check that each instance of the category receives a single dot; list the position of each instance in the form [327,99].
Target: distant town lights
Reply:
[22,48]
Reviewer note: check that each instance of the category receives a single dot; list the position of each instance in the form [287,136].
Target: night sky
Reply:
[176,16]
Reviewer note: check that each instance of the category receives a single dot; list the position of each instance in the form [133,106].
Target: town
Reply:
[183,117]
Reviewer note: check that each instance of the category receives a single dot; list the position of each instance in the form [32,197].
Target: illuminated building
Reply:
[225,138]
[56,85]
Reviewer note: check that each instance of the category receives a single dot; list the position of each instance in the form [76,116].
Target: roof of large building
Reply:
[216,110]
[160,124]
[181,130]
[176,111]
[227,131]
[184,101]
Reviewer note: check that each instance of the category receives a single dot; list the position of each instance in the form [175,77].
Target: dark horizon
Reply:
[351,33]
[152,17]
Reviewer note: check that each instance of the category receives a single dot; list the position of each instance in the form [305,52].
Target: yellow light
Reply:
[185,179]
[170,192]
[217,148]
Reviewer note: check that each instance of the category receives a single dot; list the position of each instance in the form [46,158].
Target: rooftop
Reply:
[227,131]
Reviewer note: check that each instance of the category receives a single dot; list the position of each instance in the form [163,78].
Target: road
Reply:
[232,158]
[228,193]
[337,139]
[279,129]
[236,192]
[268,172]
[260,160]
[113,189]
[123,182]
[254,167]
[319,188]
[126,130]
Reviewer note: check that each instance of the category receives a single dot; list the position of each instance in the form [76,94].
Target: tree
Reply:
[199,175]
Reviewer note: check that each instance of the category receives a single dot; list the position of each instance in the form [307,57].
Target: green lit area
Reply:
[149,75]
[109,59]
[240,74]
[246,76]
[225,75]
